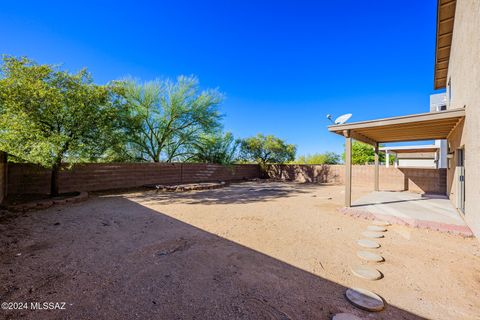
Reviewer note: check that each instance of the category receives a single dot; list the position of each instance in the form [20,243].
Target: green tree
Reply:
[49,116]
[216,148]
[363,153]
[166,118]
[319,158]
[267,149]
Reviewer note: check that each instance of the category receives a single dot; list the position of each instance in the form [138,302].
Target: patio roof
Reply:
[415,127]
[422,126]
[445,19]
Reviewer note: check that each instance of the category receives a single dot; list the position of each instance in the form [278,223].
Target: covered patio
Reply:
[413,209]
[416,127]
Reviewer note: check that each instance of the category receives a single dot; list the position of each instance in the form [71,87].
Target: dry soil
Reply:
[248,251]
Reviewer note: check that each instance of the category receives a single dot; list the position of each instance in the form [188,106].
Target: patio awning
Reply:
[423,126]
[415,127]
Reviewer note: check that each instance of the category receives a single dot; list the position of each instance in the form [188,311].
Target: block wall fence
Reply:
[23,178]
[423,180]
[31,179]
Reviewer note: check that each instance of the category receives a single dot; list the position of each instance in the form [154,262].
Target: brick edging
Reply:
[421,224]
[47,203]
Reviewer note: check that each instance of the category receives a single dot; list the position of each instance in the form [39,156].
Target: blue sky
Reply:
[283,65]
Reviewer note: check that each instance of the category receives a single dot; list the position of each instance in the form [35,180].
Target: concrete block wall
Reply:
[32,179]
[421,180]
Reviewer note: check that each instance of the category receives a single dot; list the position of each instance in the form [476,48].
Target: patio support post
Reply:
[377,173]
[348,168]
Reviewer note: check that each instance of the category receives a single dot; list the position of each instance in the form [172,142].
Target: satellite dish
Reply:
[343,118]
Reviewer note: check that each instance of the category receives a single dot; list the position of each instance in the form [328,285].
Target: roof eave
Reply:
[443,41]
[414,127]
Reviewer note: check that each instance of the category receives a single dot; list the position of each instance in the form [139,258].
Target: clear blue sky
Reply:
[283,65]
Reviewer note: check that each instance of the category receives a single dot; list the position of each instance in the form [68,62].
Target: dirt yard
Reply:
[248,251]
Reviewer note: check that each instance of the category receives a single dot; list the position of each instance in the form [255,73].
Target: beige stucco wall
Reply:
[417,163]
[464,74]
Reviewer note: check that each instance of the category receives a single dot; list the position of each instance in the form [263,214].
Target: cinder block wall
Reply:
[32,179]
[3,176]
[412,179]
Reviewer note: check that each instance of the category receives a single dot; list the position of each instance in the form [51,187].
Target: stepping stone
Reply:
[370,256]
[372,234]
[376,228]
[364,299]
[381,223]
[368,244]
[366,272]
[345,316]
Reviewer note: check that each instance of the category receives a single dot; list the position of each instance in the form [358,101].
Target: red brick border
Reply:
[422,224]
[46,203]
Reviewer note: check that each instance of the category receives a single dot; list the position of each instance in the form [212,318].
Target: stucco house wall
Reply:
[464,92]
[417,163]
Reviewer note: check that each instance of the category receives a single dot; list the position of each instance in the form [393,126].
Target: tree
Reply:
[267,149]
[363,153]
[319,158]
[166,118]
[48,116]
[216,148]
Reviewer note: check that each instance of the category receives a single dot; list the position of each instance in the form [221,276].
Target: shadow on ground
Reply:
[245,192]
[385,202]
[111,258]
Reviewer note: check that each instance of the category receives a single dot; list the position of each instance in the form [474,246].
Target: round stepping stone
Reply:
[368,244]
[364,299]
[345,316]
[381,223]
[366,272]
[372,234]
[370,256]
[376,228]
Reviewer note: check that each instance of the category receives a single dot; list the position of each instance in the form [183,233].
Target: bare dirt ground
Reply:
[248,251]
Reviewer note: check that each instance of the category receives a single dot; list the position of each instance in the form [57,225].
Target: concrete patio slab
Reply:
[412,209]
